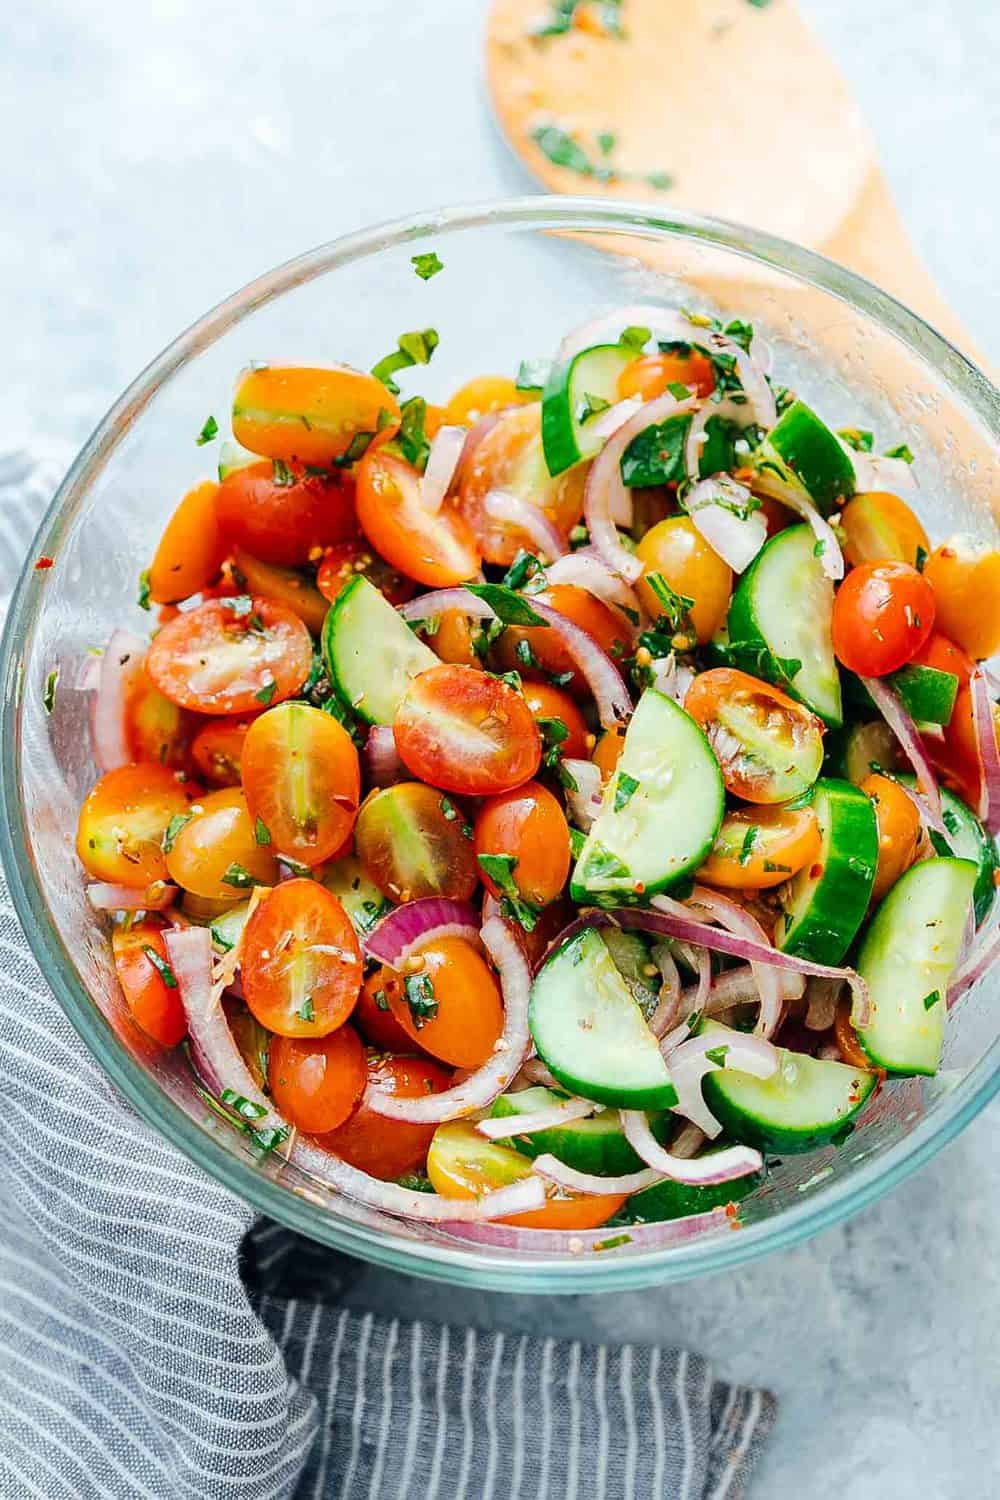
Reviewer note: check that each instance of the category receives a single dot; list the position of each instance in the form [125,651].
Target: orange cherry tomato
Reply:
[551,921]
[547,702]
[592,615]
[217,854]
[463,1164]
[302,967]
[453,639]
[389,1149]
[312,415]
[217,749]
[436,548]
[883,614]
[480,396]
[956,758]
[281,514]
[965,576]
[466,732]
[510,457]
[316,1082]
[412,842]
[528,828]
[882,528]
[302,780]
[157,729]
[652,375]
[375,1020]
[898,831]
[760,847]
[148,982]
[284,586]
[231,656]
[341,563]
[940,652]
[677,551]
[846,1038]
[769,747]
[451,1006]
[191,549]
[122,822]
[608,751]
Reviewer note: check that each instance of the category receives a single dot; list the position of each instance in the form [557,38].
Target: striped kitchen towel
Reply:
[157,1342]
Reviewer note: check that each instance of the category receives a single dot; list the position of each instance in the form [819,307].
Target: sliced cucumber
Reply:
[968,839]
[363,902]
[807,1102]
[780,623]
[590,1032]
[631,953]
[661,811]
[927,694]
[227,928]
[594,1145]
[803,451]
[859,749]
[678,1200]
[233,456]
[371,654]
[825,904]
[908,956]
[576,392]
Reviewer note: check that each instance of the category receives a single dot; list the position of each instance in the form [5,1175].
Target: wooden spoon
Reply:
[737,104]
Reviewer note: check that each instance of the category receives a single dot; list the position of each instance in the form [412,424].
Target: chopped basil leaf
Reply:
[601,864]
[355,450]
[554,735]
[282,475]
[676,607]
[626,787]
[49,690]
[261,832]
[266,693]
[656,455]
[411,437]
[819,547]
[499,868]
[143,599]
[509,608]
[306,1011]
[749,839]
[857,438]
[414,349]
[249,1109]
[635,337]
[173,828]
[901,450]
[161,966]
[577,839]
[524,653]
[562,150]
[419,991]
[717,1055]
[931,999]
[660,180]
[427,264]
[566,777]
[238,877]
[210,429]
[524,566]
[921,558]
[220,940]
[770,868]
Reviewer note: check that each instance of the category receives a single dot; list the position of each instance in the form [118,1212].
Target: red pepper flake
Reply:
[43,564]
[732,1210]
[815,872]
[996,877]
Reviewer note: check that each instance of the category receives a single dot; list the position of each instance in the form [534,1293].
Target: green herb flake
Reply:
[449,809]
[718,1055]
[412,438]
[562,150]
[381,1000]
[554,735]
[143,599]
[420,997]
[427,264]
[524,653]
[603,865]
[209,430]
[819,547]
[283,476]
[931,999]
[678,391]
[921,558]
[770,868]
[173,828]
[247,1109]
[749,840]
[857,438]
[524,567]
[676,607]
[613,1242]
[306,1011]
[220,940]
[509,608]
[49,690]
[901,450]
[266,693]
[635,337]
[626,787]
[499,869]
[577,839]
[161,966]
[660,180]
[238,877]
[355,450]
[414,348]
[606,141]
[261,832]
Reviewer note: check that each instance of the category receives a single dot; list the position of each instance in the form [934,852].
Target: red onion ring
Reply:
[668,323]
[719,1166]
[121,666]
[688,1141]
[585,803]
[736,987]
[759,396]
[603,678]
[587,571]
[156,897]
[511,510]
[890,706]
[603,1241]
[689,1063]
[670,994]
[609,421]
[766,483]
[383,765]
[402,931]
[590,1183]
[737,920]
[447,447]
[736,539]
[541,1119]
[988,752]
[821,1010]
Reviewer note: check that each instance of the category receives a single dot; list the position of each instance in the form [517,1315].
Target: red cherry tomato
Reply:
[231,656]
[414,842]
[302,780]
[301,967]
[317,1081]
[466,732]
[883,614]
[943,654]
[280,513]
[217,749]
[341,563]
[528,828]
[652,375]
[148,982]
[433,547]
[769,747]
[388,1150]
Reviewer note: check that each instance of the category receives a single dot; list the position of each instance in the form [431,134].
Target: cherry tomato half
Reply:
[454,639]
[940,652]
[316,1082]
[123,819]
[652,375]
[898,831]
[302,780]
[433,547]
[509,457]
[157,729]
[191,549]
[285,586]
[757,848]
[546,654]
[302,966]
[882,528]
[769,747]
[412,842]
[451,1006]
[219,851]
[341,563]
[965,576]
[677,551]
[883,614]
[231,656]
[480,396]
[148,982]
[281,514]
[547,702]
[527,828]
[466,732]
[375,1020]
[389,1149]
[608,750]
[846,1038]
[312,415]
[217,749]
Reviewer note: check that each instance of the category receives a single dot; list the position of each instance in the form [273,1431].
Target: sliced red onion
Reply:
[447,447]
[890,706]
[483,1086]
[156,897]
[984,954]
[666,323]
[589,1183]
[121,666]
[587,571]
[728,411]
[821,1009]
[603,678]
[738,920]
[405,929]
[688,1141]
[796,499]
[690,1062]
[541,1119]
[988,752]
[719,1166]
[510,509]
[875,471]
[760,398]
[535,1071]
[474,437]
[670,994]
[584,803]
[609,421]
[605,1241]
[672,677]
[89,676]
[718,508]
[736,987]
[383,766]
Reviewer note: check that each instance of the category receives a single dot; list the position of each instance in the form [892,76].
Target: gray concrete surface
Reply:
[155,155]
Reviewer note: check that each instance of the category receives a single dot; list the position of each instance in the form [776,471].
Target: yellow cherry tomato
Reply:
[882,528]
[898,831]
[480,396]
[676,550]
[217,853]
[312,415]
[965,576]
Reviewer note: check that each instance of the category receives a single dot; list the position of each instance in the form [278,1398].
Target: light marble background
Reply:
[154,155]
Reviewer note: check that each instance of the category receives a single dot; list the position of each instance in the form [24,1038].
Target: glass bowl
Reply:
[516,277]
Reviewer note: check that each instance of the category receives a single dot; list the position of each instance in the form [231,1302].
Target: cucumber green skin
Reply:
[837,901]
[596,1145]
[852,752]
[336,624]
[679,1200]
[969,840]
[774,1115]
[927,694]
[744,628]
[909,952]
[811,451]
[561,434]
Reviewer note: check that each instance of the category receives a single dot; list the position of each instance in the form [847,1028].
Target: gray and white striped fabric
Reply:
[155,1342]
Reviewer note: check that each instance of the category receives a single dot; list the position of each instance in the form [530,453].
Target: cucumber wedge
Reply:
[594,1145]
[227,928]
[590,1032]
[802,451]
[859,749]
[678,1200]
[968,839]
[363,902]
[233,456]
[661,810]
[825,904]
[908,956]
[780,623]
[808,1102]
[927,693]
[575,394]
[372,655]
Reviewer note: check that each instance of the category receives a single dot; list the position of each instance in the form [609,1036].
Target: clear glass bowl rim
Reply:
[473,1266]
